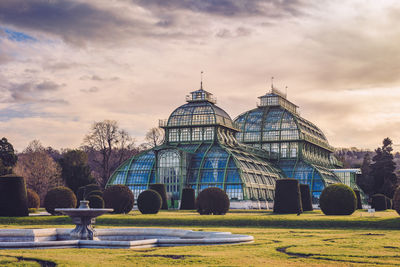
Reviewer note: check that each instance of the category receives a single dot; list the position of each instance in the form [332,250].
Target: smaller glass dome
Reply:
[277,124]
[200,110]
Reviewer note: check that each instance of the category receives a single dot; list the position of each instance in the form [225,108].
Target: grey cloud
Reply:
[60,66]
[75,22]
[48,86]
[31,92]
[90,90]
[96,78]
[239,32]
[32,71]
[93,78]
[229,8]
[80,22]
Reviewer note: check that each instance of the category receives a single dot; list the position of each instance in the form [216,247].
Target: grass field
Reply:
[278,244]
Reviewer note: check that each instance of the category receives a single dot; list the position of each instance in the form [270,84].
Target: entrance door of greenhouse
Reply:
[169,173]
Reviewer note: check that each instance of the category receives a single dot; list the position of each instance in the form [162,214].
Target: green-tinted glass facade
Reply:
[200,151]
[302,149]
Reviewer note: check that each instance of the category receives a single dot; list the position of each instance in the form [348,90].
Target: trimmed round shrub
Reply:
[59,197]
[306,201]
[287,197]
[118,197]
[212,200]
[188,201]
[13,197]
[95,202]
[338,199]
[149,202]
[160,188]
[379,202]
[358,195]
[33,200]
[388,203]
[396,200]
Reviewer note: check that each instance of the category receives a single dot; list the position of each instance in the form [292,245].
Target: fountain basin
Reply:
[128,238]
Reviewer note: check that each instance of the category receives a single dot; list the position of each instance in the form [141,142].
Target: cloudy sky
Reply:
[67,63]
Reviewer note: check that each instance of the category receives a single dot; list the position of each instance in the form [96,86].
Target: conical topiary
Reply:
[306,201]
[188,199]
[287,197]
[13,196]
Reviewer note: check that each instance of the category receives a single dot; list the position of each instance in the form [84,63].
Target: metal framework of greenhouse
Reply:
[204,147]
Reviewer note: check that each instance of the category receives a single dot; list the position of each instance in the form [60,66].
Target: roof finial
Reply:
[286,90]
[272,82]
[201,80]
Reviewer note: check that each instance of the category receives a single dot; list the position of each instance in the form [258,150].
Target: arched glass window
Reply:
[169,171]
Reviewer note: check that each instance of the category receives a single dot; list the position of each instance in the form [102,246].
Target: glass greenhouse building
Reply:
[200,150]
[204,147]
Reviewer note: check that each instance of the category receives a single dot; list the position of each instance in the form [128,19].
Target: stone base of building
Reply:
[251,204]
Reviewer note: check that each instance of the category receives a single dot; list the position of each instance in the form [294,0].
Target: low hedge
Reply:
[149,202]
[338,199]
[287,197]
[118,197]
[306,201]
[188,201]
[379,202]
[212,200]
[59,197]
[160,189]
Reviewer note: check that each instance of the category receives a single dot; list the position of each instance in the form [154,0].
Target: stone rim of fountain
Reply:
[122,238]
[84,236]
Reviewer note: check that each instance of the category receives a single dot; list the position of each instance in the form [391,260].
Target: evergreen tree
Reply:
[75,170]
[7,157]
[382,170]
[366,180]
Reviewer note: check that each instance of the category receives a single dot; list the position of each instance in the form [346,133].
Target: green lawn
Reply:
[238,218]
[278,244]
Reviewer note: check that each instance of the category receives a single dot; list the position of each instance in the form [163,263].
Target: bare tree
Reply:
[112,144]
[154,137]
[39,169]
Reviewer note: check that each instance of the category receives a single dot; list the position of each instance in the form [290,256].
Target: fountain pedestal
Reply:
[83,217]
[83,229]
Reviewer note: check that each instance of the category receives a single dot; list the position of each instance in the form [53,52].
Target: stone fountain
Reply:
[83,217]
[84,236]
